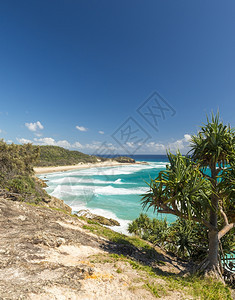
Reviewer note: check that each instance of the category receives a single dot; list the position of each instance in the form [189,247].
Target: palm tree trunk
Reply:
[213,255]
[213,243]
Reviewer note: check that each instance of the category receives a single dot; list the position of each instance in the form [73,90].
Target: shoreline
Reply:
[80,166]
[122,228]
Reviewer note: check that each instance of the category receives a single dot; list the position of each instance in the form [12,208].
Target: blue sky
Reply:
[74,73]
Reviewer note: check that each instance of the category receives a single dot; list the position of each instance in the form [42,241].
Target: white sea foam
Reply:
[66,190]
[66,179]
[106,171]
[118,181]
[77,187]
[110,190]
[158,164]
[69,190]
[82,180]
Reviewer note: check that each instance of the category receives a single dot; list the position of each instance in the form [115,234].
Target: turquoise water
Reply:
[111,191]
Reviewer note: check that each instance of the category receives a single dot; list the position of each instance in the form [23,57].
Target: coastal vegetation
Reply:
[17,179]
[58,156]
[183,238]
[200,188]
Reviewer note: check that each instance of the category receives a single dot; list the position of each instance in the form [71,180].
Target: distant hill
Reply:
[58,156]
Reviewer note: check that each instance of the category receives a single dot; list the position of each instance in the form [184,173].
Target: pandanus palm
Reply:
[214,148]
[200,187]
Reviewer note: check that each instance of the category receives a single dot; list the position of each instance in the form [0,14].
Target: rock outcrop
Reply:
[56,203]
[42,252]
[124,159]
[99,219]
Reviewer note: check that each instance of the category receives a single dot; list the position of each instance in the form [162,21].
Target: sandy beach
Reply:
[43,170]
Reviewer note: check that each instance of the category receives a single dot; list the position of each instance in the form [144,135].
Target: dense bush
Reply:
[17,159]
[183,238]
[16,171]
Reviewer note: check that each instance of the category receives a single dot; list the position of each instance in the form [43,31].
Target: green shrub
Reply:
[183,238]
[21,184]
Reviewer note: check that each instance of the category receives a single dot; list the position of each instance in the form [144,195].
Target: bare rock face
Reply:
[41,250]
[105,221]
[99,219]
[54,202]
[41,182]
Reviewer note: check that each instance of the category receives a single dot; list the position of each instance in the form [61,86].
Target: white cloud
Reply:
[89,147]
[81,128]
[177,145]
[181,145]
[51,142]
[161,148]
[40,126]
[64,144]
[38,134]
[23,141]
[156,146]
[101,132]
[131,144]
[46,141]
[77,145]
[0,130]
[152,147]
[34,126]
[93,146]
[187,137]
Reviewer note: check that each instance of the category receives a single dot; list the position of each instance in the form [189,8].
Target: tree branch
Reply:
[176,212]
[224,216]
[225,230]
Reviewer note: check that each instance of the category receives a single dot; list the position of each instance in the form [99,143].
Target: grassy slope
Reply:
[195,287]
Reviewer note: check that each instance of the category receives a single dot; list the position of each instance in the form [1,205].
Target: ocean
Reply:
[113,192]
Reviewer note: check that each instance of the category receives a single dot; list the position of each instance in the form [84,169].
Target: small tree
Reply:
[201,187]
